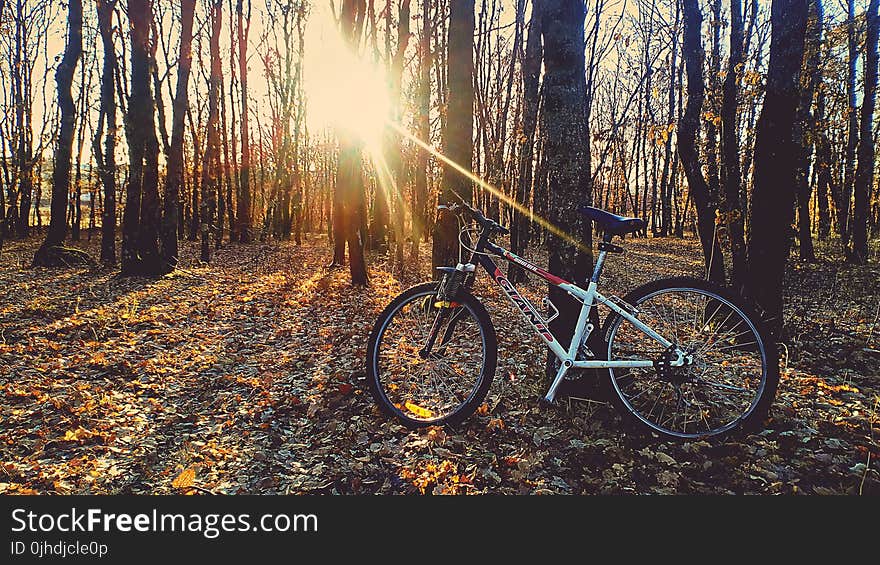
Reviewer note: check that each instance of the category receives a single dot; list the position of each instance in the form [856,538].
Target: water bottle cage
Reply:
[450,286]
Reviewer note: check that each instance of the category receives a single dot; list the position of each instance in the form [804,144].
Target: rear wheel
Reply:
[732,373]
[444,385]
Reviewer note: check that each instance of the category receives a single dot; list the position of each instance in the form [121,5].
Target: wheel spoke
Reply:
[726,369]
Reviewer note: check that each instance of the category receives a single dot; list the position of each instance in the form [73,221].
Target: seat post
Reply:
[604,247]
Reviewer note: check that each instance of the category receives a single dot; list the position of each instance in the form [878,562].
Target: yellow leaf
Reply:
[418,410]
[185,478]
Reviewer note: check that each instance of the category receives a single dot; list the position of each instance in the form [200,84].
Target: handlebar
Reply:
[487,224]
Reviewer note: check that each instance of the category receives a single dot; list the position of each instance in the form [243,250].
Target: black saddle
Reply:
[612,224]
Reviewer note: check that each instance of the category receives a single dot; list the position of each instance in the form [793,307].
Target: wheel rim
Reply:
[426,390]
[719,389]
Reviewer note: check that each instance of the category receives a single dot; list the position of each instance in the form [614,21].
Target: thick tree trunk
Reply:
[864,181]
[704,200]
[775,164]
[175,173]
[458,130]
[349,198]
[67,107]
[566,131]
[140,250]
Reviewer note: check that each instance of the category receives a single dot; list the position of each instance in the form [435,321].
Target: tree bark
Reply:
[566,130]
[772,204]
[731,175]
[211,161]
[175,173]
[531,76]
[704,199]
[805,128]
[243,212]
[107,158]
[61,173]
[864,181]
[423,124]
[458,130]
[140,249]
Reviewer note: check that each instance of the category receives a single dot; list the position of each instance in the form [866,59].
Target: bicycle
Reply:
[685,358]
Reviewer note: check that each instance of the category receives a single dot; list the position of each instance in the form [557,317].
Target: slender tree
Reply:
[704,199]
[106,158]
[210,181]
[243,212]
[864,180]
[349,206]
[61,172]
[805,129]
[531,73]
[731,176]
[174,179]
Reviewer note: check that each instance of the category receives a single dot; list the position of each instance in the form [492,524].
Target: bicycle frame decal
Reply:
[534,268]
[524,305]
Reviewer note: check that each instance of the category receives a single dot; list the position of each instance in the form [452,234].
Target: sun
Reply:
[346,91]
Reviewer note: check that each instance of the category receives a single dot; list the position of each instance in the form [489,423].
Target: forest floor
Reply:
[246,376]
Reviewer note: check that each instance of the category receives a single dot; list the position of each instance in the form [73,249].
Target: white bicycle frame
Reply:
[589,297]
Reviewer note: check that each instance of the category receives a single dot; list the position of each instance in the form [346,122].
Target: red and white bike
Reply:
[685,358]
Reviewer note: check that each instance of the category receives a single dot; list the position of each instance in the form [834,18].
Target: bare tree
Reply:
[61,173]
[106,158]
[243,212]
[704,199]
[174,178]
[140,220]
[211,160]
[458,128]
[864,180]
[772,206]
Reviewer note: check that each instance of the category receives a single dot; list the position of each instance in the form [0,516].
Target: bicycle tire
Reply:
[482,381]
[722,297]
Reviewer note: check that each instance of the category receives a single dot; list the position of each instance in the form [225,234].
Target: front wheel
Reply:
[732,369]
[431,362]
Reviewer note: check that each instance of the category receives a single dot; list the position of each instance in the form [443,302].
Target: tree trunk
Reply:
[458,130]
[175,173]
[805,128]
[531,72]
[775,164]
[845,196]
[349,202]
[731,175]
[693,54]
[107,158]
[140,252]
[864,181]
[67,107]
[211,161]
[423,121]
[566,135]
[243,212]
